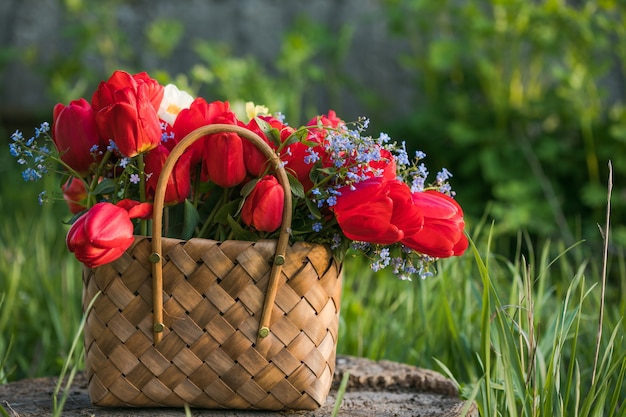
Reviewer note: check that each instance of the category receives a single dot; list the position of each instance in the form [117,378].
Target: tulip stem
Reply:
[196,187]
[214,210]
[143,224]
[96,178]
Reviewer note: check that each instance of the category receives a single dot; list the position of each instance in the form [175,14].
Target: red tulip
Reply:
[106,93]
[255,161]
[74,134]
[326,120]
[221,154]
[385,166]
[188,120]
[178,184]
[101,235]
[154,90]
[377,211]
[223,159]
[201,113]
[442,235]
[74,194]
[105,232]
[126,111]
[263,208]
[136,209]
[295,154]
[294,157]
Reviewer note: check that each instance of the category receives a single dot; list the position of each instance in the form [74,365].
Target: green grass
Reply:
[40,284]
[518,334]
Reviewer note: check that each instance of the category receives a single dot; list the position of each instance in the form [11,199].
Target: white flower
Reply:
[174,100]
[253,110]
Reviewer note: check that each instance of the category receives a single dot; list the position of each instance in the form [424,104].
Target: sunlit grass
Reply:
[518,336]
[41,300]
[40,283]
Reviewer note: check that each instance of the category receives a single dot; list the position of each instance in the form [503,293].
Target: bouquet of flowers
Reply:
[349,190]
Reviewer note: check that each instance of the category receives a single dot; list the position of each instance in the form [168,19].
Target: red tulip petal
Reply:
[108,226]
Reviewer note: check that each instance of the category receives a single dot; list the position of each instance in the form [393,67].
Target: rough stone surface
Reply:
[379,389]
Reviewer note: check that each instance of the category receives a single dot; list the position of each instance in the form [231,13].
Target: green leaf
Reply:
[293,138]
[328,171]
[263,125]
[315,212]
[191,218]
[106,186]
[309,143]
[270,132]
[315,175]
[296,187]
[76,217]
[228,210]
[247,189]
[300,135]
[239,233]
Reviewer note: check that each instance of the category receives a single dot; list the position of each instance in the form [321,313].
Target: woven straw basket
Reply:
[233,324]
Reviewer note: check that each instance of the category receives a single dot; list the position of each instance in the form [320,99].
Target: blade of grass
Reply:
[58,405]
[573,377]
[618,389]
[593,403]
[485,337]
[340,393]
[604,270]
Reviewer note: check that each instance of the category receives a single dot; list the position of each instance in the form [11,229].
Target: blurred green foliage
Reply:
[519,98]
[522,100]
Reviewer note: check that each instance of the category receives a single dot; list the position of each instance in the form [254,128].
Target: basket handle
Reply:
[159,198]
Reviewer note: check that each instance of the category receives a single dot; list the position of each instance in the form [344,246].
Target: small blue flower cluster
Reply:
[405,263]
[351,154]
[32,155]
[349,157]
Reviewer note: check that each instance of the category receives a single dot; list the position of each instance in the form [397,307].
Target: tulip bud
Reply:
[178,184]
[75,135]
[223,159]
[74,194]
[263,208]
[101,235]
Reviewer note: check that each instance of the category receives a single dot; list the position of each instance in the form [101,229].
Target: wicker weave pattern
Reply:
[210,355]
